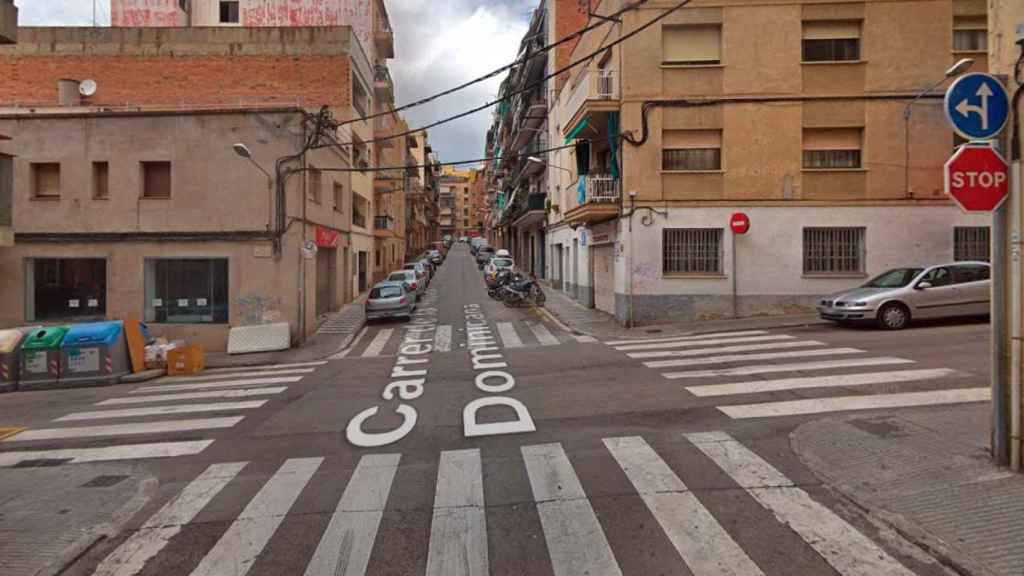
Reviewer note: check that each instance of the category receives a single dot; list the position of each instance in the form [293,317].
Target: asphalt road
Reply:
[550,453]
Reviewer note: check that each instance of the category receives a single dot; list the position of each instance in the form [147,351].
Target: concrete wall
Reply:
[8,22]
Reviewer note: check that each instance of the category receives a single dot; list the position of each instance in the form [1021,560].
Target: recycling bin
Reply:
[40,358]
[93,354]
[10,348]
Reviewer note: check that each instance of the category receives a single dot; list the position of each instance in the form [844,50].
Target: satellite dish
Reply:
[87,87]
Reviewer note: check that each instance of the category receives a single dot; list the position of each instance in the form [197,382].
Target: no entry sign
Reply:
[740,223]
[977,178]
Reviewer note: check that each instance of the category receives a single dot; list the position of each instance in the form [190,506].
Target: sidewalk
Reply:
[592,322]
[928,475]
[334,334]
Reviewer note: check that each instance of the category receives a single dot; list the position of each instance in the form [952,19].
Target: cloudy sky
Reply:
[438,43]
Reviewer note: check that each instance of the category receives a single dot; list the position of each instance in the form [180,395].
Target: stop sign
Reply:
[739,223]
[977,178]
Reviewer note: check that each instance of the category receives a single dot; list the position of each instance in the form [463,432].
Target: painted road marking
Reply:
[229,376]
[576,542]
[108,453]
[224,384]
[162,410]
[797,367]
[8,432]
[725,349]
[838,381]
[458,530]
[508,335]
[702,542]
[443,339]
[266,367]
[584,339]
[713,341]
[243,393]
[688,338]
[127,429]
[344,353]
[378,343]
[847,403]
[750,357]
[238,548]
[356,519]
[130,557]
[544,336]
[841,545]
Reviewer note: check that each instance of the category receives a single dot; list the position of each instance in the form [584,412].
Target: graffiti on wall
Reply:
[256,310]
[135,13]
[291,12]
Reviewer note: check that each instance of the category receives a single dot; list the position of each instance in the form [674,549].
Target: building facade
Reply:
[455,202]
[792,113]
[8,35]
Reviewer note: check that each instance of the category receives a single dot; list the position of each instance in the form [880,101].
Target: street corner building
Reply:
[800,115]
[197,178]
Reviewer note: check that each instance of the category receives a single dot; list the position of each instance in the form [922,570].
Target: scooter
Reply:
[522,290]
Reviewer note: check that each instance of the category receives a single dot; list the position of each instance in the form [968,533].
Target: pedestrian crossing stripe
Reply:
[688,338]
[161,427]
[107,454]
[823,381]
[8,432]
[162,410]
[575,539]
[387,341]
[854,403]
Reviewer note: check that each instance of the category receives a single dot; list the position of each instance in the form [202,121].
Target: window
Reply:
[691,251]
[971,243]
[378,258]
[833,250]
[465,211]
[970,34]
[66,288]
[360,96]
[339,197]
[360,152]
[465,222]
[100,180]
[691,150]
[832,148]
[46,180]
[187,291]
[229,12]
[693,45]
[315,184]
[359,210]
[938,277]
[831,41]
[966,273]
[156,179]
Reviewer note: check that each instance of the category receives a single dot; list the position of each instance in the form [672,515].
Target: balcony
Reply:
[383,36]
[597,91]
[599,199]
[382,128]
[383,226]
[532,212]
[383,85]
[8,22]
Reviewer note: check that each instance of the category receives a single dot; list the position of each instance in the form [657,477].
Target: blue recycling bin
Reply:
[94,354]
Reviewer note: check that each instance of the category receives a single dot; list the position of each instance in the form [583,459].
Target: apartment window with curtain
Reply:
[316,184]
[692,45]
[691,251]
[832,148]
[971,243]
[691,150]
[831,41]
[970,34]
[834,251]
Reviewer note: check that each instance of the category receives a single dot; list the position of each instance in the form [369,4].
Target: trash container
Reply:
[40,358]
[93,354]
[10,347]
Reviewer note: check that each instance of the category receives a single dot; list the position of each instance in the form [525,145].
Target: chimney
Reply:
[68,94]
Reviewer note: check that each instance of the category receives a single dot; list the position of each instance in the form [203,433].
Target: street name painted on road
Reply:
[492,380]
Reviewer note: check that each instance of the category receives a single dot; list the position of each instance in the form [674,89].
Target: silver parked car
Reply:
[895,297]
[390,300]
[411,278]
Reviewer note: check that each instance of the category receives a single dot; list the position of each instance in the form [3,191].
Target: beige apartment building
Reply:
[791,112]
[454,201]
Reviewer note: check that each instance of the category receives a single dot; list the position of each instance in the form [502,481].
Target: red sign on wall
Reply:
[326,238]
[740,223]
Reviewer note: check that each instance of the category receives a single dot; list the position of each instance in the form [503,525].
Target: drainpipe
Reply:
[632,210]
[1015,283]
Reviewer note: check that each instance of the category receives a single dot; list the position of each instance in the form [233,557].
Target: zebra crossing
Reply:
[176,406]
[386,340]
[746,364]
[576,538]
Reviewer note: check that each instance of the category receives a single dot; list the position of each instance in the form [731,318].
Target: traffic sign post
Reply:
[739,223]
[977,106]
[977,177]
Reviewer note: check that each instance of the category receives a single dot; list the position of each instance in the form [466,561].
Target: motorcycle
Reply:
[496,283]
[522,290]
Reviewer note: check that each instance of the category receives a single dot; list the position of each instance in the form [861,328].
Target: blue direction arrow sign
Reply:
[977,106]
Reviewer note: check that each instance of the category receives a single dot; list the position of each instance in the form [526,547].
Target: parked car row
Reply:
[400,293]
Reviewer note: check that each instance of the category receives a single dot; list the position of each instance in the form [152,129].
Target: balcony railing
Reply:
[383,223]
[600,188]
[594,85]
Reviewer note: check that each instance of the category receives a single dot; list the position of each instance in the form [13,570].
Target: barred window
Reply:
[831,159]
[833,250]
[693,159]
[971,243]
[692,251]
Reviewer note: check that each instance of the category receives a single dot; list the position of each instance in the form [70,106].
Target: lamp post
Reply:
[243,152]
[957,69]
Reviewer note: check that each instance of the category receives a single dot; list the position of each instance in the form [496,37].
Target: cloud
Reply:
[438,44]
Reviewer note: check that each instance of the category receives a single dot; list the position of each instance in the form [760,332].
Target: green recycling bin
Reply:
[40,358]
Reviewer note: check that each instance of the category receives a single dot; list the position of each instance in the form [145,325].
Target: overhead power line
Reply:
[454,163]
[527,57]
[525,89]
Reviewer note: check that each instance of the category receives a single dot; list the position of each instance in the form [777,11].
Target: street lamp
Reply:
[537,160]
[957,69]
[243,152]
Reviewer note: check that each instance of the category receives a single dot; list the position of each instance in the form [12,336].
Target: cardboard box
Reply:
[184,361]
